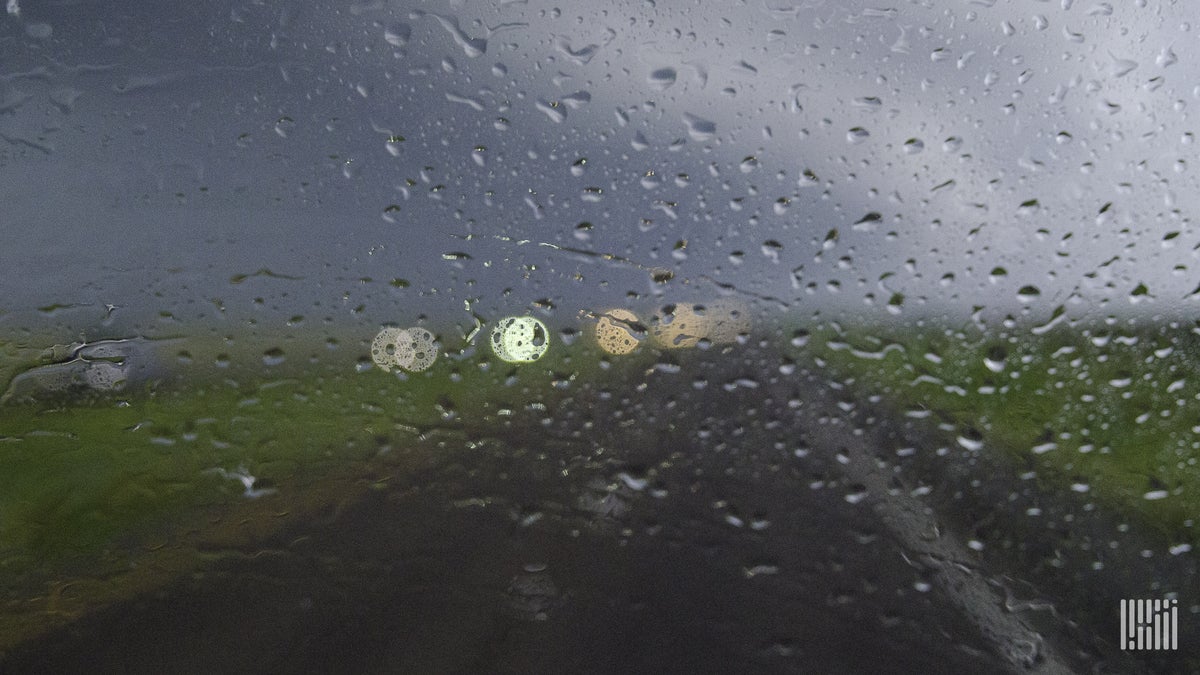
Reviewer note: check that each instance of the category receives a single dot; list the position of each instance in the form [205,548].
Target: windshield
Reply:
[402,336]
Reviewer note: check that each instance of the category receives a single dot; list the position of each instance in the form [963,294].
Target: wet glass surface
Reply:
[400,336]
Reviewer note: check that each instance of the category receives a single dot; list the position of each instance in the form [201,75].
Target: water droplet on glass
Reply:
[556,111]
[871,103]
[1122,67]
[662,78]
[284,126]
[995,359]
[699,129]
[397,34]
[1028,294]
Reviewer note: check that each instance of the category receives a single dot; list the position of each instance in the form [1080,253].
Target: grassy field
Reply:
[1111,412]
[105,497]
[102,497]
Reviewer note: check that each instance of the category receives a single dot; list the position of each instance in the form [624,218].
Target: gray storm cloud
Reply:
[407,157]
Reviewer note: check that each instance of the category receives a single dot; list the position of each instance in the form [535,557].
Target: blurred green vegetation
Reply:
[116,486]
[111,495]
[1111,412]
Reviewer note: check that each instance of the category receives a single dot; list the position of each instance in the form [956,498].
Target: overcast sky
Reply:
[811,154]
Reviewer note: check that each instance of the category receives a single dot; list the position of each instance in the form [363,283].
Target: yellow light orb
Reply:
[678,326]
[615,333]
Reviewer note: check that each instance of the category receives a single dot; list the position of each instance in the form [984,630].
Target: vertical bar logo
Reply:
[1149,624]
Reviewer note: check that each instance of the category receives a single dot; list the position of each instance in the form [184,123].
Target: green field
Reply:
[1111,412]
[103,497]
[109,495]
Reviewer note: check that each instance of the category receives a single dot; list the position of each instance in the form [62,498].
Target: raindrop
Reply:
[771,249]
[580,56]
[971,440]
[1122,67]
[699,128]
[868,220]
[661,275]
[995,359]
[651,180]
[831,239]
[284,126]
[662,78]
[472,47]
[397,34]
[577,100]
[553,109]
[393,145]
[871,103]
